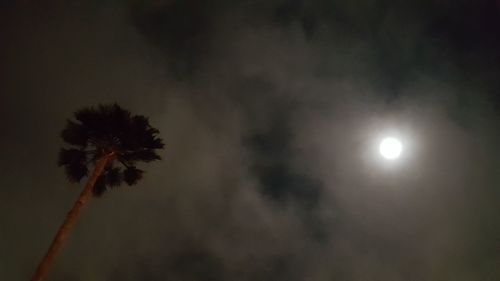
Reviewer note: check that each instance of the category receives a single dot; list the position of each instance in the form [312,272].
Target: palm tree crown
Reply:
[108,130]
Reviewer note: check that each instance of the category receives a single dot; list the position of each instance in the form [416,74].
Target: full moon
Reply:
[390,148]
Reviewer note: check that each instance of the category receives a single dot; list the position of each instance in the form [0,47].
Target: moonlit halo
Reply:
[390,148]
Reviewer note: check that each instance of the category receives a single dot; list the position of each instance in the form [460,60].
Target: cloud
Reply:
[269,111]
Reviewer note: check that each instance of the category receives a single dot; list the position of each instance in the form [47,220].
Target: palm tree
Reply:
[112,141]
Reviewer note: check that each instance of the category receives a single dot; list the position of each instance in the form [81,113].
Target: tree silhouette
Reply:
[110,140]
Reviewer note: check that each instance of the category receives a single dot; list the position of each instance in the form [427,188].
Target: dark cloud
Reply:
[270,111]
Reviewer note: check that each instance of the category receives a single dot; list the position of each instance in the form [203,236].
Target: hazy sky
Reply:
[271,112]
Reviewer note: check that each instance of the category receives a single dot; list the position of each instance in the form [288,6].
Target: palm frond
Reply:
[132,175]
[153,142]
[146,155]
[99,187]
[68,156]
[140,122]
[76,171]
[74,162]
[114,177]
[86,116]
[74,134]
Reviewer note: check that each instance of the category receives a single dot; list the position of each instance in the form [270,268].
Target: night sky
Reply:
[270,111]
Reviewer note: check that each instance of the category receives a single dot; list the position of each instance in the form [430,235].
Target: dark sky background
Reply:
[270,112]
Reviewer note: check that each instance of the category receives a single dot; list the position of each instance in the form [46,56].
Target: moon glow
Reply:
[390,148]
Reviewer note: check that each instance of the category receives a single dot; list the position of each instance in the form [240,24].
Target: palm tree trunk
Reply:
[71,217]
